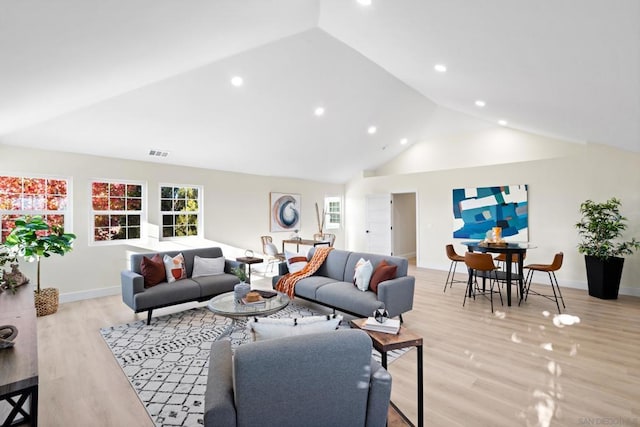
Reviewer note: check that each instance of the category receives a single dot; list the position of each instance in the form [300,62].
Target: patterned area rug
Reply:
[167,362]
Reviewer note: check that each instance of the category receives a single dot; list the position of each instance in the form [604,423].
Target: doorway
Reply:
[391,224]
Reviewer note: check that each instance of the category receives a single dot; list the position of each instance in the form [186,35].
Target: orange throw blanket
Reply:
[287,283]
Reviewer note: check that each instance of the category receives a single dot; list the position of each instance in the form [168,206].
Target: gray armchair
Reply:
[325,379]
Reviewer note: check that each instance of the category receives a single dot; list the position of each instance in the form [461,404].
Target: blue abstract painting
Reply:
[478,210]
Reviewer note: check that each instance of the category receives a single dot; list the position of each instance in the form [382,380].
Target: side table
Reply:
[19,373]
[388,342]
[249,260]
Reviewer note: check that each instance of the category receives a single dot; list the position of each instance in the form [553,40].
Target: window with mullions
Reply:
[333,211]
[180,210]
[22,195]
[117,210]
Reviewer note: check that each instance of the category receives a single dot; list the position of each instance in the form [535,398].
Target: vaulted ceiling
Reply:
[119,78]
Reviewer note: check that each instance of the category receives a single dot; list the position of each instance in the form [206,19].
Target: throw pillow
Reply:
[207,266]
[362,276]
[152,270]
[175,267]
[384,271]
[264,328]
[295,262]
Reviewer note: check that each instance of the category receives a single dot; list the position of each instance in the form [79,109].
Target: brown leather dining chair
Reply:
[550,269]
[481,263]
[455,259]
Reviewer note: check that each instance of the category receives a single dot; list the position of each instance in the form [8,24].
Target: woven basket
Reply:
[46,301]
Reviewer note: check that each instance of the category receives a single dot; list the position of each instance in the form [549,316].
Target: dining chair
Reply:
[455,259]
[483,263]
[550,269]
[325,237]
[270,250]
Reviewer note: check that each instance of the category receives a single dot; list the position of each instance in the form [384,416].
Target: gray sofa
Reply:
[139,298]
[303,380]
[332,285]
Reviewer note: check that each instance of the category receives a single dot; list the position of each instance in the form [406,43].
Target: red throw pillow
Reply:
[152,270]
[383,271]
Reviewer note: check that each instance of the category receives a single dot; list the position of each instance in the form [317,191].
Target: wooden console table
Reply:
[306,242]
[19,364]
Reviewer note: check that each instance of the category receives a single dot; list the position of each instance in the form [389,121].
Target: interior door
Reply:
[378,224]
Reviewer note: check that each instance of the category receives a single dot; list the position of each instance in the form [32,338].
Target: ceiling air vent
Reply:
[158,153]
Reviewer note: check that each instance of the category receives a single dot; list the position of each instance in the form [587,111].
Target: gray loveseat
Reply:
[303,380]
[139,298]
[332,285]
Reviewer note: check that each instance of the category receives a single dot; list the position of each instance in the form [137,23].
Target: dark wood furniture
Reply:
[19,364]
[306,242]
[388,342]
[249,260]
[510,249]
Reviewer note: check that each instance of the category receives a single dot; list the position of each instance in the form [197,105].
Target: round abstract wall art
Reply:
[285,211]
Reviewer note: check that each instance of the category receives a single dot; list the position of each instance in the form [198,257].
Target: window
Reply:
[333,212]
[180,210]
[21,196]
[117,210]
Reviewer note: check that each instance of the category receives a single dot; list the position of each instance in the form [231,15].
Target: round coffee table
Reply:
[226,305]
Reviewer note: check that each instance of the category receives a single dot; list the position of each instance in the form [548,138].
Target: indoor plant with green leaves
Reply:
[32,239]
[601,229]
[242,288]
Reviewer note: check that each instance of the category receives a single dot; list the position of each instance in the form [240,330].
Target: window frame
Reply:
[162,213]
[328,224]
[66,213]
[94,212]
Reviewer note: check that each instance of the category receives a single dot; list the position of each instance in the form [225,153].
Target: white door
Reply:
[378,224]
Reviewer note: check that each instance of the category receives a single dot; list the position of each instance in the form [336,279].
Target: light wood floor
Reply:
[513,367]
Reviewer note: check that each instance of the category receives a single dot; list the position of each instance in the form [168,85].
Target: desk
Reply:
[518,249]
[307,242]
[249,260]
[387,342]
[19,373]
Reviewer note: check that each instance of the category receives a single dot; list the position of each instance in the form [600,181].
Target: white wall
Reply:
[560,176]
[236,212]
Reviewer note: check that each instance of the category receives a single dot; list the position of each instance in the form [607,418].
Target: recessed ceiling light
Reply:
[319,111]
[441,68]
[480,103]
[372,130]
[503,122]
[404,141]
[365,2]
[237,81]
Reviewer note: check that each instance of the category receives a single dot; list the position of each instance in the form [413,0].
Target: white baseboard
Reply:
[88,294]
[407,255]
[635,292]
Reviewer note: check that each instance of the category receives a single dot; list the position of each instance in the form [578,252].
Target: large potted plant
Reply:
[601,230]
[33,238]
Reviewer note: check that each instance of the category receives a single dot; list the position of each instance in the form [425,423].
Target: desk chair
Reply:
[481,262]
[550,269]
[455,259]
[270,250]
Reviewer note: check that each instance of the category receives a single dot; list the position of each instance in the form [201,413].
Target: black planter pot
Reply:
[603,276]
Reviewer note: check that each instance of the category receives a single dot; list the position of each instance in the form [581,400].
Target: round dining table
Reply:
[509,249]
